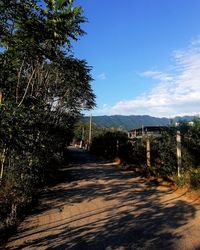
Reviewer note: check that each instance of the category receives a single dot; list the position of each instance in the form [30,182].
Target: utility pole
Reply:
[178,151]
[82,138]
[90,132]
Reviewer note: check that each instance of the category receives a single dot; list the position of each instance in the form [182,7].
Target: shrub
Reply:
[111,145]
[195,179]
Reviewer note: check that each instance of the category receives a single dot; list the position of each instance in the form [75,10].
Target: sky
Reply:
[145,56]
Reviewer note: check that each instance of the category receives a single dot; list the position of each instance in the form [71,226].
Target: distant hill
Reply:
[133,121]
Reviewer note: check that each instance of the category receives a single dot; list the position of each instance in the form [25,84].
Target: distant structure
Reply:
[147,130]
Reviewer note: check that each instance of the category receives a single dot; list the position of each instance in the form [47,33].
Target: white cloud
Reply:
[102,76]
[177,92]
[157,75]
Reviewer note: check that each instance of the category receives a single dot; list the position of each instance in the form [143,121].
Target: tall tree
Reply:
[43,89]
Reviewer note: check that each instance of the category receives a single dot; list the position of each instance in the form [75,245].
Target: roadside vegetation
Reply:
[132,153]
[43,89]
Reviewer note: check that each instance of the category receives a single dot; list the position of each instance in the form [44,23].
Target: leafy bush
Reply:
[195,179]
[183,180]
[111,145]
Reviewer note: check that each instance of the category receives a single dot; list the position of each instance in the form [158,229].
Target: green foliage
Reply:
[166,153]
[189,178]
[43,89]
[195,178]
[110,144]
[183,180]
[81,131]
[191,141]
[163,151]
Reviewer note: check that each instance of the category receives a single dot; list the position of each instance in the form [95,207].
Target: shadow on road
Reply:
[134,215]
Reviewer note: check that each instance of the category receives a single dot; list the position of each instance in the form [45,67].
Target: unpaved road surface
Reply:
[103,207]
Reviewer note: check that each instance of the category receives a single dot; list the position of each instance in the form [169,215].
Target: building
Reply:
[147,130]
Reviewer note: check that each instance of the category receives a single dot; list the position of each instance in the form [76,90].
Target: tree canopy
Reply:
[43,90]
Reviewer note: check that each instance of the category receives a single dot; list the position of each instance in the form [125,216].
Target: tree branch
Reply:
[27,86]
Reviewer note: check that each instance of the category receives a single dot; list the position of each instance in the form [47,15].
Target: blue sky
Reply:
[145,56]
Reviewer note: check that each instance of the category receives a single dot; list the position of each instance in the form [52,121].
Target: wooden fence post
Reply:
[148,146]
[178,151]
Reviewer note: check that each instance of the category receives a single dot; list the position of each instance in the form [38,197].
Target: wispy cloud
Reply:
[157,75]
[177,92]
[102,76]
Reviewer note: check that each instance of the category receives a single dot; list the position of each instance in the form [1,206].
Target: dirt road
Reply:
[107,208]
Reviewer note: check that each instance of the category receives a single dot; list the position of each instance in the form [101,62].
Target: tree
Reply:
[43,89]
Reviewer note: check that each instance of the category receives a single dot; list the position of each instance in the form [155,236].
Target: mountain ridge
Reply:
[128,122]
